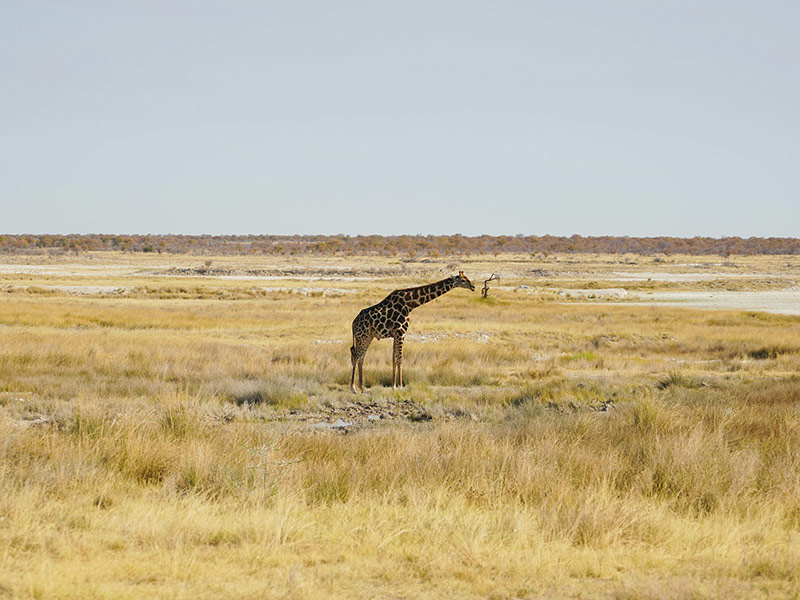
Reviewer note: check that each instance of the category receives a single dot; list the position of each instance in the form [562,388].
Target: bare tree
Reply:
[485,290]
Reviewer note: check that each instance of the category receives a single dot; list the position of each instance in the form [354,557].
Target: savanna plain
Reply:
[176,426]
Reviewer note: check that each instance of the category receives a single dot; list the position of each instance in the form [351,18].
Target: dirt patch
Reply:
[360,413]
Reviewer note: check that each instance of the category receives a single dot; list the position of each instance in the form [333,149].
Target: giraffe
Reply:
[389,319]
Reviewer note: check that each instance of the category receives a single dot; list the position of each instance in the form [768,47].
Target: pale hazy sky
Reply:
[593,117]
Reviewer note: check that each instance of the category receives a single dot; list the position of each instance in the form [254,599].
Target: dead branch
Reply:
[485,290]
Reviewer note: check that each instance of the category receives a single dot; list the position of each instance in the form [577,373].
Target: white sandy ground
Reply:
[785,302]
[681,277]
[71,270]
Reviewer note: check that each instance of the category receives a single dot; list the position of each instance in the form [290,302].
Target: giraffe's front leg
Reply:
[397,363]
[394,365]
[400,370]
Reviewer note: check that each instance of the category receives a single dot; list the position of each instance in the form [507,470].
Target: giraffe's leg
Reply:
[353,374]
[394,367]
[361,356]
[357,353]
[397,362]
[400,369]
[400,364]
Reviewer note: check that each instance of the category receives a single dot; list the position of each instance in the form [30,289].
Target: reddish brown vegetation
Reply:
[404,245]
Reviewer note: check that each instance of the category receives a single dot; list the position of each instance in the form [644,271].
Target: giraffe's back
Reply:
[382,320]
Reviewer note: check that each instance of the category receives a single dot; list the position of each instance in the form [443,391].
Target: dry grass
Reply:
[159,445]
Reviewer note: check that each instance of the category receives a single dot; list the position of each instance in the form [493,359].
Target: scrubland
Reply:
[159,433]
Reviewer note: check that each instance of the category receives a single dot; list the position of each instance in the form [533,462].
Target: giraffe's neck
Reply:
[417,296]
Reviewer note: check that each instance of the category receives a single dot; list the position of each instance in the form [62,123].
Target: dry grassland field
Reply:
[598,427]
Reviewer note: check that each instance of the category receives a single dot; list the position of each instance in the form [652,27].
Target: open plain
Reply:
[600,426]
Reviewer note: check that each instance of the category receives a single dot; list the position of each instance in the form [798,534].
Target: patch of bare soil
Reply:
[360,413]
[365,413]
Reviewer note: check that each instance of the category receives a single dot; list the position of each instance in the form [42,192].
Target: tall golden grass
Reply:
[161,446]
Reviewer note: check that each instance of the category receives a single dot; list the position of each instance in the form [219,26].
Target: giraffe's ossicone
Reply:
[389,319]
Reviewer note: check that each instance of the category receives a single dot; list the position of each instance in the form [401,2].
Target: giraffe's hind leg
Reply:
[357,352]
[353,375]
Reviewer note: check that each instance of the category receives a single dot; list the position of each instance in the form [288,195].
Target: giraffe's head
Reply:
[461,280]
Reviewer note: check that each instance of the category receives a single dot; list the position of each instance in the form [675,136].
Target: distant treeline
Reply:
[402,245]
